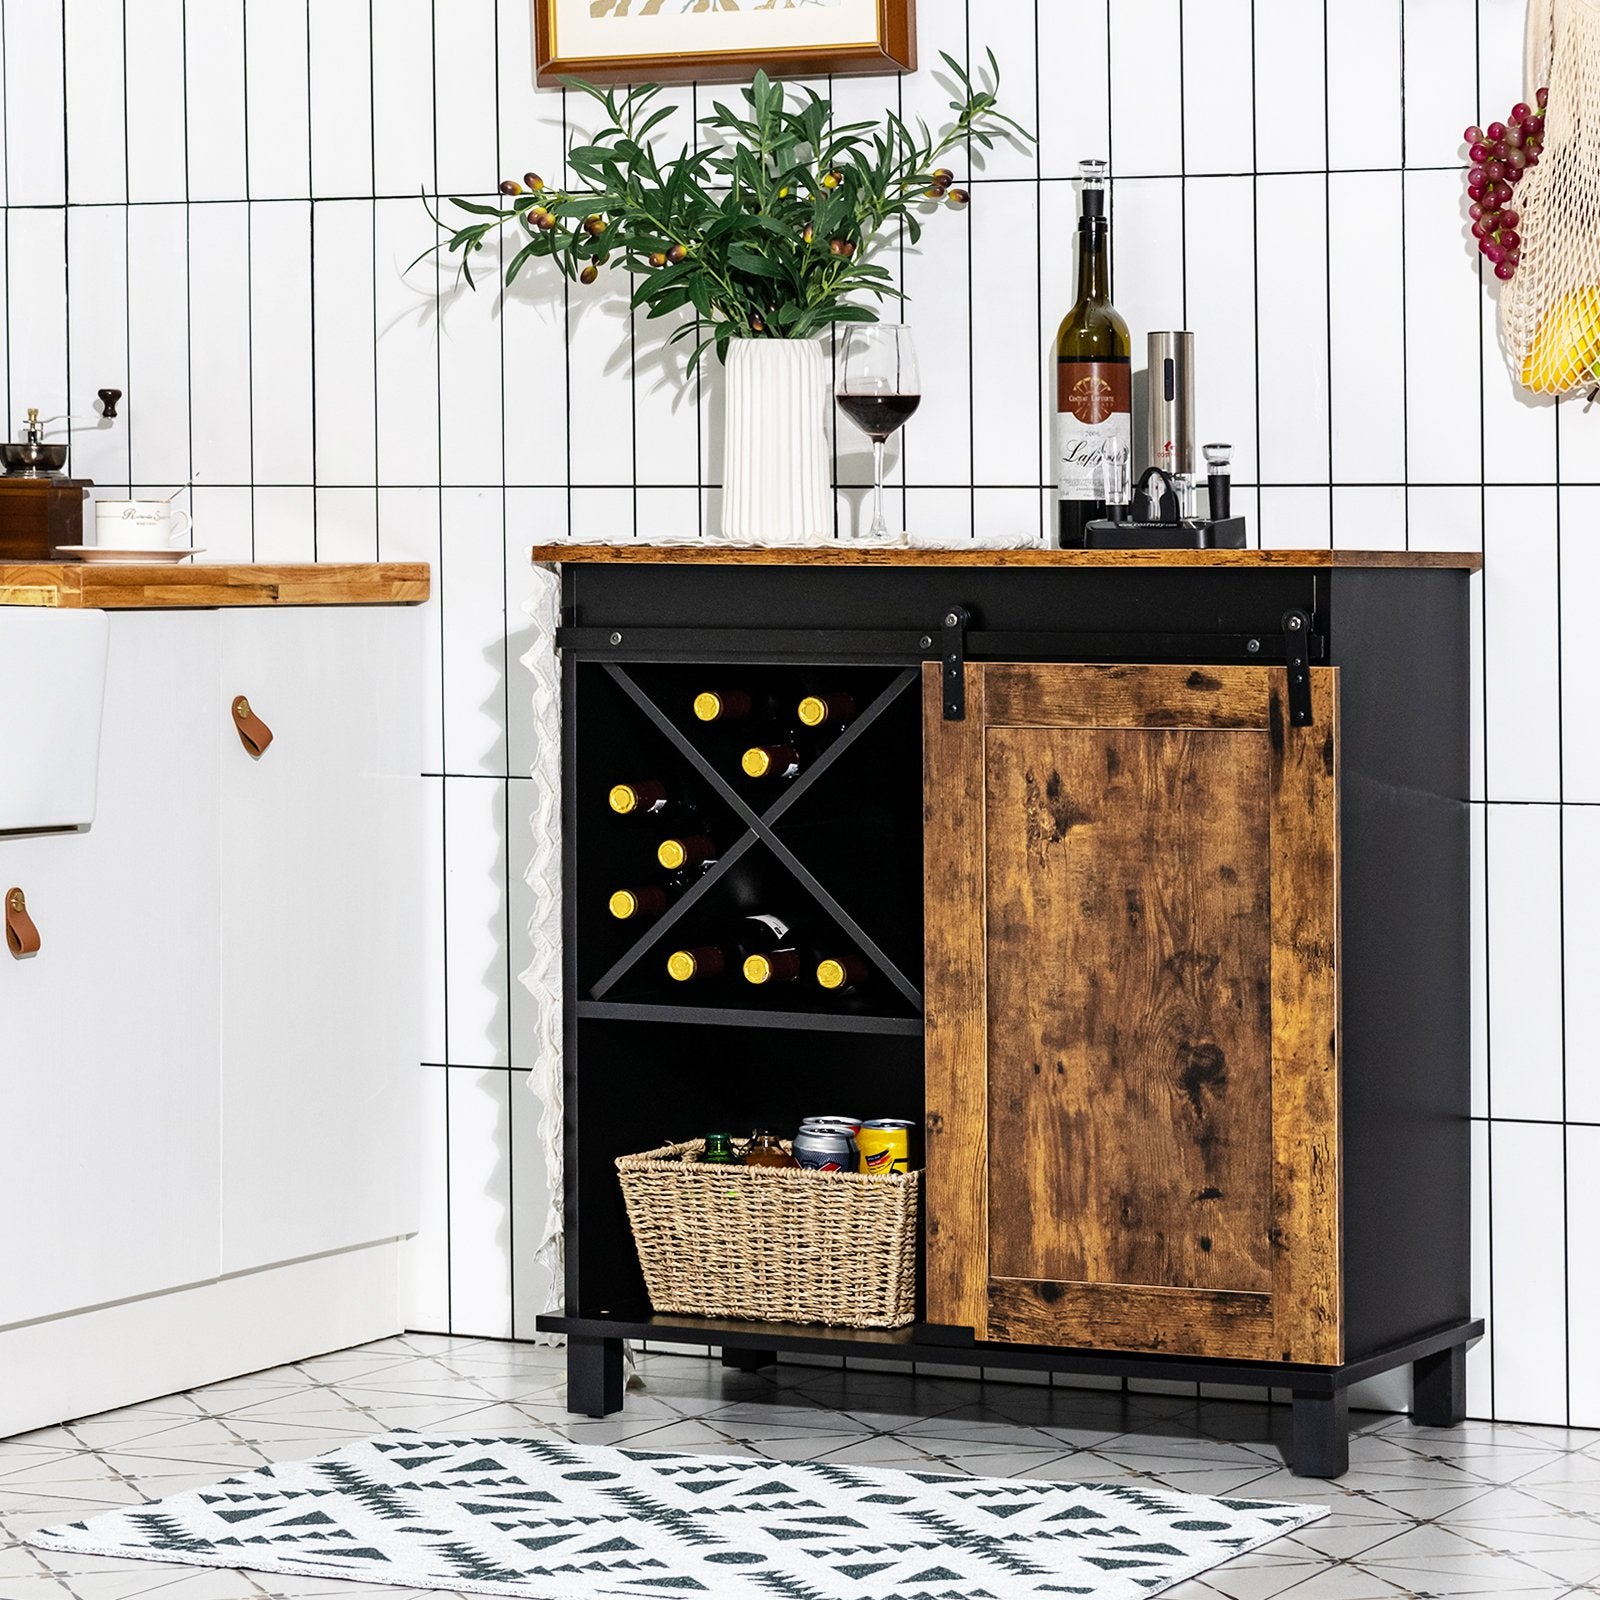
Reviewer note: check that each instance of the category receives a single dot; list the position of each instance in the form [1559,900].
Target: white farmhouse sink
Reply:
[52,688]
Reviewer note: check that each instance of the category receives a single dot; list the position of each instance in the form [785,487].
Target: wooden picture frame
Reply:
[657,41]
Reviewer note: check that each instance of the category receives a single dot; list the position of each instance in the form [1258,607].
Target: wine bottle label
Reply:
[1094,407]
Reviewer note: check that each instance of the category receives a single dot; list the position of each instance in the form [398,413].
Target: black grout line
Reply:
[127,257]
[1327,260]
[66,242]
[972,348]
[1063,178]
[505,721]
[311,274]
[1405,291]
[1561,949]
[249,260]
[1488,988]
[438,589]
[1255,257]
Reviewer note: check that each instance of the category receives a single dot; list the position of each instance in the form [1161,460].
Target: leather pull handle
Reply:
[21,935]
[254,734]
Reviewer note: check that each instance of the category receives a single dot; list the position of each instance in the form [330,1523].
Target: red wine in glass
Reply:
[878,389]
[878,415]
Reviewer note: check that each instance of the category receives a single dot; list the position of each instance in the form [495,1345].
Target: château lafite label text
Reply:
[1094,405]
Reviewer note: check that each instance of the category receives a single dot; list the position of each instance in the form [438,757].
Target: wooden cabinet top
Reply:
[136,586]
[711,553]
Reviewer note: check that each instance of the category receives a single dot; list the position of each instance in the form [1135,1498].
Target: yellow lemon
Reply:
[1567,345]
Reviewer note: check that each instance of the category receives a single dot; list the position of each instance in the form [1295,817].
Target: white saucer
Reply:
[94,552]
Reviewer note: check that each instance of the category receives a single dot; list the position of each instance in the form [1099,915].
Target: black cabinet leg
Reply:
[594,1375]
[1321,1442]
[1439,1388]
[749,1360]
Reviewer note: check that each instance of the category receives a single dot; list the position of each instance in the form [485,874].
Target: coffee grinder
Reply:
[41,509]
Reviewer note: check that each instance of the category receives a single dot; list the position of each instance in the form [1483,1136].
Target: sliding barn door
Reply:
[1132,1011]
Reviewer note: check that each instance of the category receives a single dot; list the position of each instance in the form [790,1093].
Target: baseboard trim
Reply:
[96,1360]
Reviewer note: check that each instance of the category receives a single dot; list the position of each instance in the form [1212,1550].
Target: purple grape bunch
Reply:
[1502,155]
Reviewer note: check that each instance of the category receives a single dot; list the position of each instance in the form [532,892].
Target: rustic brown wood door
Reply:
[1132,1010]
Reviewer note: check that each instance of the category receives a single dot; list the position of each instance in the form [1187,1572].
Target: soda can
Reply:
[884,1145]
[849,1124]
[818,1150]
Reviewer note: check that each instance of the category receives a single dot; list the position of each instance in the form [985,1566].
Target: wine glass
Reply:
[878,390]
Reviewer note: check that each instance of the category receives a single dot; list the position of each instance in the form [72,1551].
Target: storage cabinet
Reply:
[110,1171]
[1159,865]
[320,903]
[204,1087]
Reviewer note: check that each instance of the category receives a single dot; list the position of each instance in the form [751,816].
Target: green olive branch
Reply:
[770,229]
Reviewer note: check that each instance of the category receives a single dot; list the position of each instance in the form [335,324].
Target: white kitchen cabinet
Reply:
[109,1088]
[320,895]
[206,1072]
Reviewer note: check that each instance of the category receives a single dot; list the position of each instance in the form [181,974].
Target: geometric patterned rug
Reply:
[540,1519]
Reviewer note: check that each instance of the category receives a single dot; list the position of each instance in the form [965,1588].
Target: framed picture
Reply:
[711,41]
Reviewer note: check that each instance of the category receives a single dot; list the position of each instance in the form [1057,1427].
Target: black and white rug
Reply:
[545,1520]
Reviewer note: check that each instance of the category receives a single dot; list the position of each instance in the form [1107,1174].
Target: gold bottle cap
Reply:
[813,711]
[672,854]
[623,799]
[682,966]
[623,904]
[831,974]
[757,969]
[756,762]
[708,706]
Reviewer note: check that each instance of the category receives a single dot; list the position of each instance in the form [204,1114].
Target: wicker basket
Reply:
[773,1244]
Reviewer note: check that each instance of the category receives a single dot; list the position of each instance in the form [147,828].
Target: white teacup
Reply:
[138,524]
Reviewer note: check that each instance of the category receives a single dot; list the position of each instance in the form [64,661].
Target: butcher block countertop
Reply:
[711,553]
[159,586]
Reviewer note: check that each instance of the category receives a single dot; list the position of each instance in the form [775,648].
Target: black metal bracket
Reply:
[953,658]
[1297,656]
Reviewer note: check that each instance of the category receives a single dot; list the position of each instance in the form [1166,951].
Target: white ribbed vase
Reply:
[776,485]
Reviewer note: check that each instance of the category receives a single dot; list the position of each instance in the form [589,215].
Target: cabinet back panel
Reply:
[1130,1073]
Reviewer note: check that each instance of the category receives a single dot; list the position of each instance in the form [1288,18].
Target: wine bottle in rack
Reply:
[826,712]
[698,964]
[1094,376]
[694,852]
[650,797]
[781,761]
[842,974]
[638,905]
[731,705]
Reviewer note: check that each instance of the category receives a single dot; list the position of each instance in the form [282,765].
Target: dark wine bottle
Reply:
[1094,375]
[729,705]
[650,797]
[693,851]
[771,761]
[698,964]
[843,974]
[638,905]
[826,711]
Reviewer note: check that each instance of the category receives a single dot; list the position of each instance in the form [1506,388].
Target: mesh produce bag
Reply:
[1550,312]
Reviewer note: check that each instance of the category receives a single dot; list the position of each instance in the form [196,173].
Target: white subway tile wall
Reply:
[218,210]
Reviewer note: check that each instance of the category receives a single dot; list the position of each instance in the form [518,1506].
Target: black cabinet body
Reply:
[643,1066]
